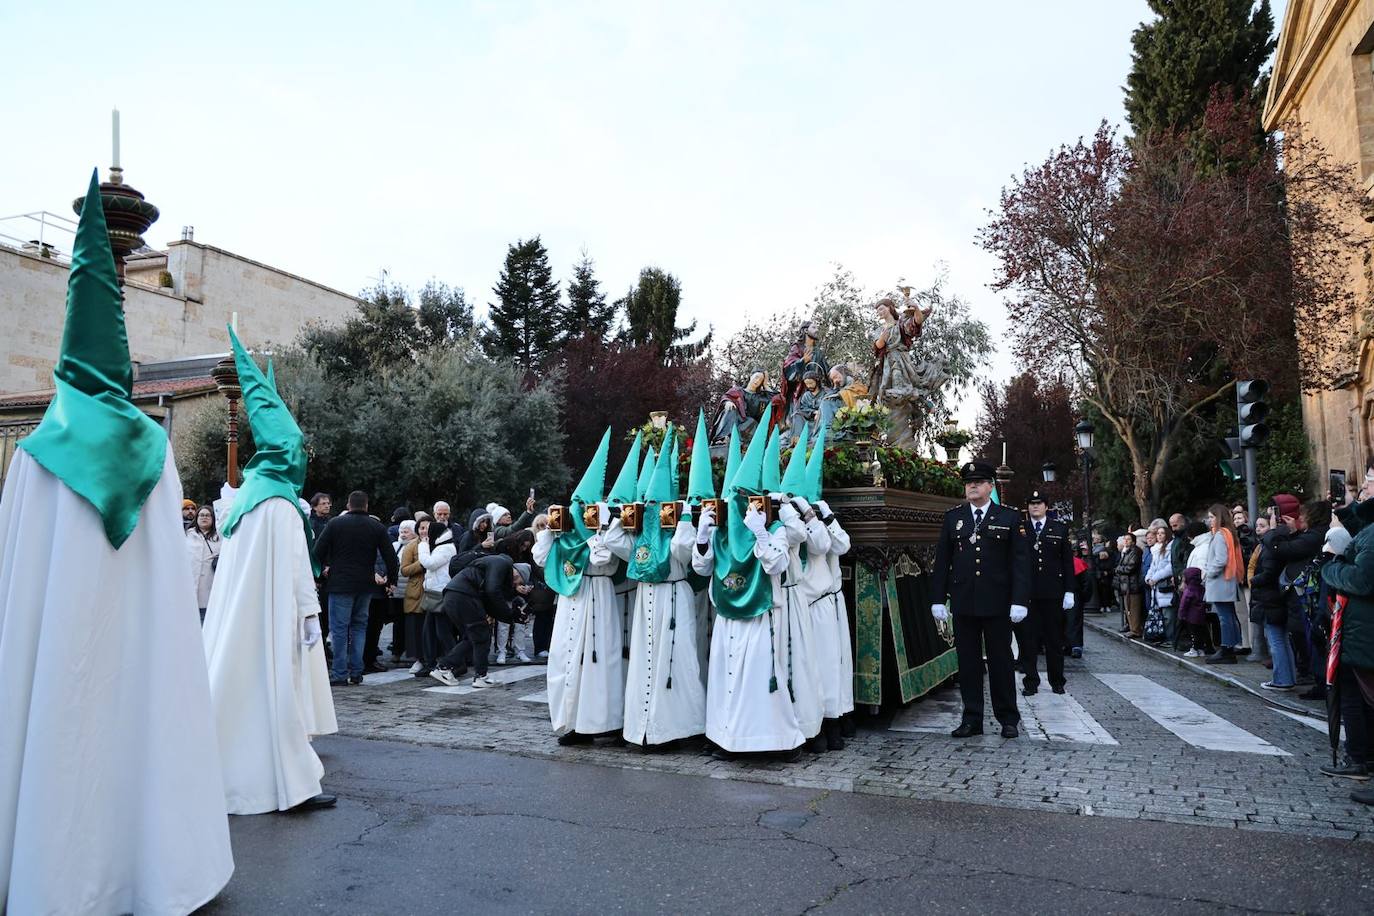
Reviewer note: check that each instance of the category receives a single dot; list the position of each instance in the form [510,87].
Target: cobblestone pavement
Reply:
[1130,760]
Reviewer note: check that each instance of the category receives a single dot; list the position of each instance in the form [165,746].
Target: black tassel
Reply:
[670,682]
[593,656]
[790,692]
[773,684]
[672,623]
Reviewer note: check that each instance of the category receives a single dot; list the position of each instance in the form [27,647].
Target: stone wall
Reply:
[208,286]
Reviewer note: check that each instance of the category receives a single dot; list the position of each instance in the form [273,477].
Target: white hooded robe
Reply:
[111,799]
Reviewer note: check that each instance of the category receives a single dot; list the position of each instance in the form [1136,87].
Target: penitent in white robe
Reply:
[742,714]
[833,658]
[799,590]
[111,799]
[665,694]
[270,693]
[586,668]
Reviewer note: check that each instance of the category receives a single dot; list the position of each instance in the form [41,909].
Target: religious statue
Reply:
[807,408]
[804,353]
[901,382]
[844,390]
[742,407]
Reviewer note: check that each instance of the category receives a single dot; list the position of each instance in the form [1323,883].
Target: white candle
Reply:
[114,132]
[234,322]
[1004,453]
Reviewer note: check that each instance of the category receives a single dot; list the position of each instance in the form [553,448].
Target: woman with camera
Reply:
[490,588]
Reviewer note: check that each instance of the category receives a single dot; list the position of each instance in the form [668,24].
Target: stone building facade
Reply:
[176,303]
[1323,80]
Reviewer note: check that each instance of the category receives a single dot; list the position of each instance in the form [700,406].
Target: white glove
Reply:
[801,505]
[939,612]
[787,514]
[1018,613]
[705,526]
[1068,601]
[755,522]
[823,508]
[603,515]
[311,631]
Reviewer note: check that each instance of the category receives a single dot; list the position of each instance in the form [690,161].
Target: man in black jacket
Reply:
[1052,593]
[347,552]
[982,574]
[489,588]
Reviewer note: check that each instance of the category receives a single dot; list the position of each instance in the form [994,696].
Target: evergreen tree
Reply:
[526,321]
[651,317]
[1193,46]
[587,314]
[444,314]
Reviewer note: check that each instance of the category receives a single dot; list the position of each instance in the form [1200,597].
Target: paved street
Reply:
[1147,788]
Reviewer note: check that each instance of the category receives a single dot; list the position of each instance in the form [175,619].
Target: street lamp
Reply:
[1084,432]
[1047,471]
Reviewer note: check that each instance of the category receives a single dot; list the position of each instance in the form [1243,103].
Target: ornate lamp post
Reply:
[127,214]
[1047,471]
[1084,433]
[226,376]
[1004,474]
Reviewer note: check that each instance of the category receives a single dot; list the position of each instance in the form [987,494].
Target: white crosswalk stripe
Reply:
[1186,719]
[1044,717]
[386,677]
[540,697]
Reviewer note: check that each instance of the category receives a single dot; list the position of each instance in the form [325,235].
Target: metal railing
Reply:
[41,233]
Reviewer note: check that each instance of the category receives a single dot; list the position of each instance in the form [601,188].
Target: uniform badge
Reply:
[959,525]
[568,568]
[642,554]
[733,582]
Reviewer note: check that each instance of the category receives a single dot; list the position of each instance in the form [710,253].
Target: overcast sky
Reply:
[741,146]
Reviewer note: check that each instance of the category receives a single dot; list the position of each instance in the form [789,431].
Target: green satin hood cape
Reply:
[570,555]
[92,437]
[740,589]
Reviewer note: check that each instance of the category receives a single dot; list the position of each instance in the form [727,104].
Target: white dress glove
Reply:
[755,522]
[603,515]
[310,633]
[823,508]
[939,612]
[1018,613]
[1068,601]
[801,505]
[705,526]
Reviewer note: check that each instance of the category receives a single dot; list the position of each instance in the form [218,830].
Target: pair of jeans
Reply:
[1276,634]
[1230,626]
[348,630]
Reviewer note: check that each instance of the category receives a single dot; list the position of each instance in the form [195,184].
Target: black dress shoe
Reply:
[318,801]
[355,680]
[574,738]
[339,683]
[1059,689]
[966,730]
[1029,691]
[816,744]
[1009,731]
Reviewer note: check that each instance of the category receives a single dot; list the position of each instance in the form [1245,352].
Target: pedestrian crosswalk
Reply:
[1048,716]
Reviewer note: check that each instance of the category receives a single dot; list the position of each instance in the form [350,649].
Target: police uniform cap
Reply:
[977,470]
[1036,497]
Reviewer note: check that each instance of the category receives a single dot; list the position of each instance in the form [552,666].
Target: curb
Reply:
[1206,671]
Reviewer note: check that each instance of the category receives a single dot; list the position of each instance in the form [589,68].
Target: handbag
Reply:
[431,601]
[1154,625]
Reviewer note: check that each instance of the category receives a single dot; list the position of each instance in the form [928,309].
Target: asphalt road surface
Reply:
[425,829]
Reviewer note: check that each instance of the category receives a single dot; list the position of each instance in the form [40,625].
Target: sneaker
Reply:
[483,681]
[1347,769]
[1193,653]
[444,676]
[501,657]
[355,680]
[544,655]
[417,667]
[1270,685]
[524,657]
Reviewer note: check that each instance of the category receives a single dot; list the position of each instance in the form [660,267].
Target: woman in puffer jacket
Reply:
[437,636]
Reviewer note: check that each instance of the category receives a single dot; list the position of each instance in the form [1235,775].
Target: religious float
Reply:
[889,498]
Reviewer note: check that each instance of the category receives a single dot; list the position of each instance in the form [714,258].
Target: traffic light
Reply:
[1251,410]
[1232,464]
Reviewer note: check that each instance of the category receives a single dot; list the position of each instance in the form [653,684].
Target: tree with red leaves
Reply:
[1156,273]
[1034,416]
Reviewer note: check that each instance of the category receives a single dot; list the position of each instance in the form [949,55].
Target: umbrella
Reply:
[1333,663]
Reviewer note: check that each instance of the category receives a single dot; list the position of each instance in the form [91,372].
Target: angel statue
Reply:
[902,382]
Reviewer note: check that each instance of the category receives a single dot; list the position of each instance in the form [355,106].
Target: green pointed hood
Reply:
[271,374]
[624,489]
[732,462]
[674,467]
[277,467]
[661,480]
[569,554]
[650,561]
[92,437]
[699,483]
[772,463]
[748,477]
[815,468]
[646,474]
[794,481]
[740,589]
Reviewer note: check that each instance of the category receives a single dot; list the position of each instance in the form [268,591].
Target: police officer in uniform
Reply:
[1052,593]
[982,575]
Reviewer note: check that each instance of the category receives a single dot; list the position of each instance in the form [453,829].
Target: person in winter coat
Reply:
[436,635]
[1159,578]
[1195,625]
[501,525]
[1105,556]
[1292,542]
[203,542]
[411,612]
[1127,578]
[1222,577]
[1352,575]
[490,588]
[513,638]
[405,535]
[477,533]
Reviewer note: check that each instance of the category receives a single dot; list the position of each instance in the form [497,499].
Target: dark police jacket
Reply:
[1051,561]
[982,578]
